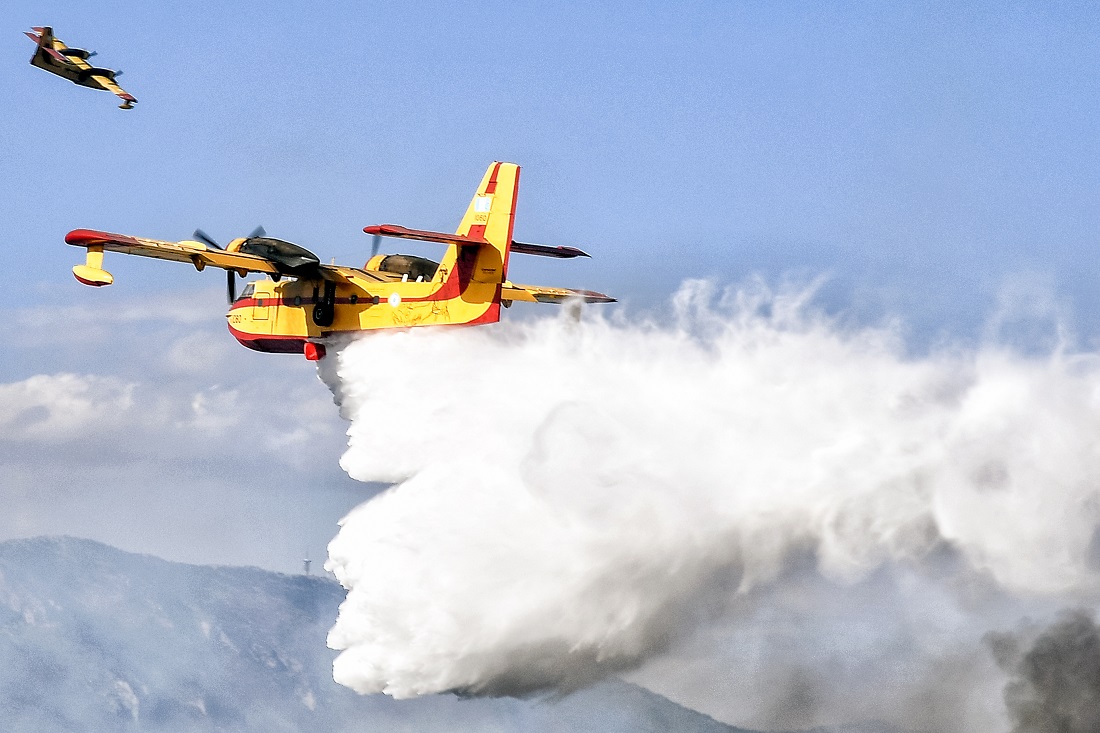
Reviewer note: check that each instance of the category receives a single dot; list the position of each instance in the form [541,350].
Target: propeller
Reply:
[230,275]
[206,239]
[375,243]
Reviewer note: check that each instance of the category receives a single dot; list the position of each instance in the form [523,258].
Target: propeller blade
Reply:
[258,232]
[230,286]
[375,243]
[203,237]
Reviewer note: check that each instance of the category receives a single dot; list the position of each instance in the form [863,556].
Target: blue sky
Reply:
[930,158]
[936,146]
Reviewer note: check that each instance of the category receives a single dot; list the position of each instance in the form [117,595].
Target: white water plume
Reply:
[572,495]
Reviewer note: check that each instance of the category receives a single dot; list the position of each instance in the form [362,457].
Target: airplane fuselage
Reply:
[282,316]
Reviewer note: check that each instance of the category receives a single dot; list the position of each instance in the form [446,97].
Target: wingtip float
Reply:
[72,63]
[303,303]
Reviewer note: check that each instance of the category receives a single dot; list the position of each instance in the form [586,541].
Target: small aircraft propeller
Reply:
[230,275]
[206,239]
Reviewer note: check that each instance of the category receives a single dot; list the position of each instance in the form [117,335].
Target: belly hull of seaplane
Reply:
[299,317]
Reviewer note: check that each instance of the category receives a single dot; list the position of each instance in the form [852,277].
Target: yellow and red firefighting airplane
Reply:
[316,301]
[72,64]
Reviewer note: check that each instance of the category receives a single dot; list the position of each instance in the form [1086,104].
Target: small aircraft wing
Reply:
[202,255]
[339,273]
[107,83]
[542,294]
[196,253]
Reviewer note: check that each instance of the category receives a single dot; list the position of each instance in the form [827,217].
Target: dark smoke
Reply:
[1054,686]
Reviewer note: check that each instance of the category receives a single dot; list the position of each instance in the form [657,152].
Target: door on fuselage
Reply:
[260,307]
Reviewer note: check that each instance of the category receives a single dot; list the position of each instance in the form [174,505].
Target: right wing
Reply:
[107,83]
[200,255]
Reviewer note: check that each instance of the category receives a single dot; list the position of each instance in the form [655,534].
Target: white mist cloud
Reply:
[575,494]
[159,437]
[55,408]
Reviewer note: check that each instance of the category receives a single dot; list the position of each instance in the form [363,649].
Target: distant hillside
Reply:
[93,638]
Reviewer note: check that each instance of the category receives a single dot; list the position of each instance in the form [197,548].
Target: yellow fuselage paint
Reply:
[283,311]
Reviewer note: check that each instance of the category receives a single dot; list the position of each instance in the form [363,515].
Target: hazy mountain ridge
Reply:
[95,638]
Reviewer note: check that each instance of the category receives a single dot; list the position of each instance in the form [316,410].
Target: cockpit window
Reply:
[247,292]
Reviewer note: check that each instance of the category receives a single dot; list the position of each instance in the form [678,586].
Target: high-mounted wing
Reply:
[252,254]
[542,294]
[72,63]
[196,253]
[105,78]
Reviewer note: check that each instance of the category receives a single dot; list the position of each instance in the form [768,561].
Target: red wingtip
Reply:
[88,237]
[83,236]
[314,352]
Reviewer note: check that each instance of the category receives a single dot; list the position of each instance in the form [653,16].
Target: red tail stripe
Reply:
[492,186]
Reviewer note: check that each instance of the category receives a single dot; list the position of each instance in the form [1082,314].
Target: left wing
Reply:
[198,254]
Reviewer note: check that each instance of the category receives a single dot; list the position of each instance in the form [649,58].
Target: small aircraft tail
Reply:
[490,217]
[476,262]
[45,35]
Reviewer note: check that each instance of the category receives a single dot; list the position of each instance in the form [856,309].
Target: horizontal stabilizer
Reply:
[540,250]
[543,250]
[393,230]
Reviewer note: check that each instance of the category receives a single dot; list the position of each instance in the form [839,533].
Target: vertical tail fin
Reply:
[45,56]
[490,216]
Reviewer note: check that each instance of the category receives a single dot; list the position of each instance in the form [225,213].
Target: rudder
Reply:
[491,216]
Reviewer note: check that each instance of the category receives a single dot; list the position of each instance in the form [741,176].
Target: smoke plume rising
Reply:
[574,495]
[1055,682]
